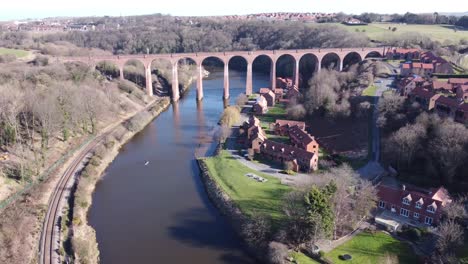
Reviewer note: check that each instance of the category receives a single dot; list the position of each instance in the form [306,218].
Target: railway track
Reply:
[49,242]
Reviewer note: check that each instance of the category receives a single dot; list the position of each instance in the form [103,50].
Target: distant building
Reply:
[427,99]
[269,96]
[403,54]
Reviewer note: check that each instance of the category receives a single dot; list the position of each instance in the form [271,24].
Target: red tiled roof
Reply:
[423,93]
[264,90]
[441,85]
[297,134]
[406,66]
[458,80]
[427,66]
[416,65]
[395,195]
[447,101]
[287,150]
[290,123]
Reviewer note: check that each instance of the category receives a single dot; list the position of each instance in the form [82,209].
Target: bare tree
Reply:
[242,99]
[450,238]
[296,112]
[277,253]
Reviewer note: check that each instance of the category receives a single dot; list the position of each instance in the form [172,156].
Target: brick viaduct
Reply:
[225,57]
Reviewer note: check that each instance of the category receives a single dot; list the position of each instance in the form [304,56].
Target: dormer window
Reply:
[407,199]
[418,205]
[431,208]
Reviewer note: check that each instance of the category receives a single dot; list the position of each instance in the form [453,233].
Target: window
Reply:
[418,205]
[416,215]
[381,204]
[428,220]
[406,201]
[431,209]
[404,212]
[393,209]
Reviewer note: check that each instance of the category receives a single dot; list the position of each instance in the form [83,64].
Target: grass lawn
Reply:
[251,196]
[379,31]
[463,252]
[16,52]
[303,259]
[367,248]
[276,112]
[370,91]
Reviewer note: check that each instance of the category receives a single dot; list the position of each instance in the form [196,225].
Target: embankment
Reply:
[84,247]
[229,209]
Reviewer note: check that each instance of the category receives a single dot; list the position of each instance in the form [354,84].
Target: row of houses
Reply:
[302,153]
[418,62]
[449,98]
[285,16]
[269,97]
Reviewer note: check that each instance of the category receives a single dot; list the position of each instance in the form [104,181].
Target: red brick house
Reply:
[461,115]
[279,94]
[442,86]
[447,106]
[416,204]
[256,139]
[403,54]
[427,99]
[281,127]
[270,97]
[292,93]
[301,139]
[408,84]
[417,68]
[301,159]
[440,65]
[462,92]
[264,90]
[261,106]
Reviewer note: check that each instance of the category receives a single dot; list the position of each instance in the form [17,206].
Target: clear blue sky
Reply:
[20,9]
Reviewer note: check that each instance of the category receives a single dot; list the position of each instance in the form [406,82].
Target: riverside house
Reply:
[279,152]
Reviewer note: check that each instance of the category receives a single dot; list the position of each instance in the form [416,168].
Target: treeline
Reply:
[409,18]
[164,34]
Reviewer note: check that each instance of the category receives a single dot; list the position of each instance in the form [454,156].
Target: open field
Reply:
[379,31]
[251,196]
[370,91]
[16,52]
[302,259]
[367,248]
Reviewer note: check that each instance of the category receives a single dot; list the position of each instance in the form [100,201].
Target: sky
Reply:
[22,9]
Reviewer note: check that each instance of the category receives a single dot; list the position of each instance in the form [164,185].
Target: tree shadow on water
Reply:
[198,227]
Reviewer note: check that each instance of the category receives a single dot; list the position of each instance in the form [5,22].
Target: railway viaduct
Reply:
[249,56]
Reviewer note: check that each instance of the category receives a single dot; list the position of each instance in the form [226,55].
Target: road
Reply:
[373,168]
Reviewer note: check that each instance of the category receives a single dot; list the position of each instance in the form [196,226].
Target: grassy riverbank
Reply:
[249,195]
[83,241]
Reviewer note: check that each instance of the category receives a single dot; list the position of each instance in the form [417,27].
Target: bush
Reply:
[277,253]
[321,254]
[137,122]
[413,234]
[41,60]
[5,58]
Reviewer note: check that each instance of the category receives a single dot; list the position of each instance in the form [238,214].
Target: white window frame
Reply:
[382,204]
[404,210]
[406,201]
[418,205]
[431,209]
[428,219]
[416,215]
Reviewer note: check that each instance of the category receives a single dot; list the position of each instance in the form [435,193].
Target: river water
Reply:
[160,213]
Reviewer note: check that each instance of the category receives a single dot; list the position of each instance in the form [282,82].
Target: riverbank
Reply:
[82,238]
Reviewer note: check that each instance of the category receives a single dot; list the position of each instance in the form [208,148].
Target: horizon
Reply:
[23,9]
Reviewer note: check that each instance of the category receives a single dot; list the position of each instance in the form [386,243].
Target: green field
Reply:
[370,91]
[302,259]
[380,31]
[251,196]
[367,248]
[17,53]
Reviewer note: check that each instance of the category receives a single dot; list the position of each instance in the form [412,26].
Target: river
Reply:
[160,213]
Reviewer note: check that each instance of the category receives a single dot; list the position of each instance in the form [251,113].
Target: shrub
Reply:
[321,254]
[137,122]
[5,58]
[40,60]
[277,253]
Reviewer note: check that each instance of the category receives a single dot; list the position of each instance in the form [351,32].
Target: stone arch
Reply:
[184,70]
[373,54]
[239,63]
[134,70]
[109,69]
[331,60]
[209,65]
[161,76]
[351,58]
[285,64]
[264,64]
[308,65]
